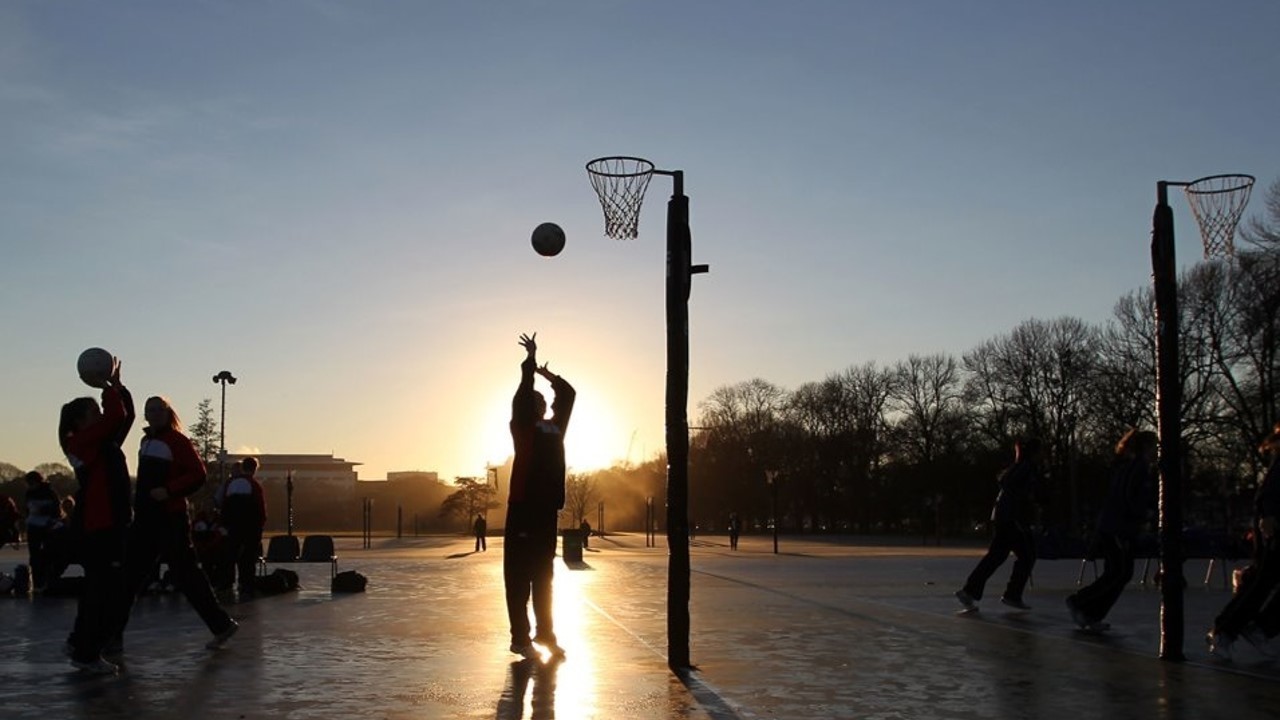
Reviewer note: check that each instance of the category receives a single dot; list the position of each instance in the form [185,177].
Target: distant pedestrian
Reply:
[584,528]
[9,520]
[244,514]
[735,529]
[1130,502]
[170,470]
[535,497]
[43,513]
[91,438]
[1012,519]
[481,529]
[1249,613]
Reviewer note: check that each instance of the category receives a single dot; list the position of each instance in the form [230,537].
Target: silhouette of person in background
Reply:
[1012,518]
[43,511]
[244,513]
[481,529]
[1129,503]
[169,470]
[9,517]
[535,497]
[1249,613]
[585,528]
[91,438]
[735,529]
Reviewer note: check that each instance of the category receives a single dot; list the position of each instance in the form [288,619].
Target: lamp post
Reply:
[288,493]
[223,378]
[490,473]
[771,477]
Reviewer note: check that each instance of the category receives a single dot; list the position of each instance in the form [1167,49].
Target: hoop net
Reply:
[620,183]
[1218,201]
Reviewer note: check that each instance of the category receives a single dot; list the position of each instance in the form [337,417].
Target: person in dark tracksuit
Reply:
[169,470]
[536,494]
[1129,504]
[1249,613]
[43,513]
[244,513]
[91,438]
[1012,518]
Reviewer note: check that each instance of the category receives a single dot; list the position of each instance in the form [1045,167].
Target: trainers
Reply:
[1015,603]
[1258,640]
[556,652]
[1077,616]
[114,650]
[966,600]
[221,638]
[96,666]
[527,651]
[1219,644]
[1096,627]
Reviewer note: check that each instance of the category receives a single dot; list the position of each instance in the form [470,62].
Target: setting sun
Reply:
[595,438]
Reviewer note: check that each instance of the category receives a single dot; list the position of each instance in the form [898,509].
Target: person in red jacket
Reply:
[534,500]
[244,513]
[169,470]
[91,438]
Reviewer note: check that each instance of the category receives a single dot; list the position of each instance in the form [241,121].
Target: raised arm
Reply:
[562,406]
[522,402]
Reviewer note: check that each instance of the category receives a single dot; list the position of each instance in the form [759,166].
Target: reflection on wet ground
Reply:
[823,631]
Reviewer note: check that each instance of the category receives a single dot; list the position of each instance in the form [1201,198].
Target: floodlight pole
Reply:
[1169,421]
[223,378]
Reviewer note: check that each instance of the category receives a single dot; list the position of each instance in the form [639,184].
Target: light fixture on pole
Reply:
[224,378]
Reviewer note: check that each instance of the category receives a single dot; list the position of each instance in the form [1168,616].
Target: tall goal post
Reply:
[620,183]
[1217,201]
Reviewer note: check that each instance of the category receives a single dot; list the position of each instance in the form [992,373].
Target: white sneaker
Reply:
[527,651]
[1219,644]
[221,638]
[97,666]
[966,600]
[1014,603]
[1259,641]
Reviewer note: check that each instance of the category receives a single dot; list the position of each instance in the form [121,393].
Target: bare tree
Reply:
[581,493]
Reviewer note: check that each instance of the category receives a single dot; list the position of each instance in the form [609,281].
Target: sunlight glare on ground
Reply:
[576,681]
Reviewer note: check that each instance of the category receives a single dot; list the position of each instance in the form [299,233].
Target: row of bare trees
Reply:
[916,445]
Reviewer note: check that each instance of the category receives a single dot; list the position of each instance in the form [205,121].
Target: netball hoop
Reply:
[1218,201]
[620,182]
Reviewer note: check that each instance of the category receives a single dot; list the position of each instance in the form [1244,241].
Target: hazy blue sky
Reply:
[333,199]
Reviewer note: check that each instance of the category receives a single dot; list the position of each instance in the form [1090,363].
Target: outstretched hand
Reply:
[545,371]
[529,343]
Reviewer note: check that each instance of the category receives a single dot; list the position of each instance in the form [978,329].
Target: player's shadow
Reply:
[522,674]
[577,565]
[455,556]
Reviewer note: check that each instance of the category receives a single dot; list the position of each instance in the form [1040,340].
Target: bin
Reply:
[572,546]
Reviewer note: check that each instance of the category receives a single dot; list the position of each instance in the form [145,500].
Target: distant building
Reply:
[310,469]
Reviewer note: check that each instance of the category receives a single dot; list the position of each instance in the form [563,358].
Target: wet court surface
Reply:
[820,631]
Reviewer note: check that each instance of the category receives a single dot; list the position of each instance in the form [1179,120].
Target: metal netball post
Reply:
[1217,202]
[620,183]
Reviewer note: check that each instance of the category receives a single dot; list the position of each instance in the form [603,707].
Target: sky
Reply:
[333,200]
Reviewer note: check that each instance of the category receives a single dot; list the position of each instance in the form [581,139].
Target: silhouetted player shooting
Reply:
[535,497]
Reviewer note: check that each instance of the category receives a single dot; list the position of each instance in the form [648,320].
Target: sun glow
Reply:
[595,438]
